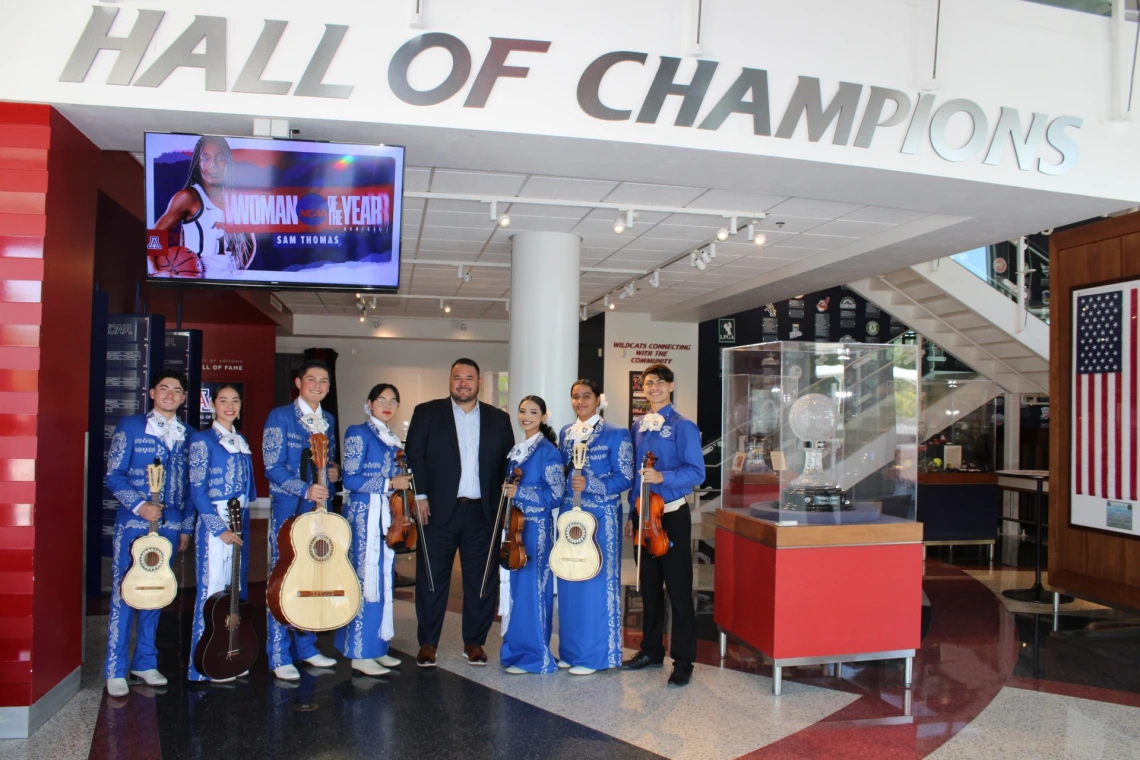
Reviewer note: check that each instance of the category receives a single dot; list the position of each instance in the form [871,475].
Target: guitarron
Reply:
[228,647]
[313,586]
[576,556]
[150,583]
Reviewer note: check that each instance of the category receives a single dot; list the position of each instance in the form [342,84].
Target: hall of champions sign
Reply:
[910,115]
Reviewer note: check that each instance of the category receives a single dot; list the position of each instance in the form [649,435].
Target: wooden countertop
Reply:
[888,531]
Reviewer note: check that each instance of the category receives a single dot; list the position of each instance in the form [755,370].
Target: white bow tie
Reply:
[652,422]
[233,442]
[170,431]
[522,450]
[581,429]
[315,422]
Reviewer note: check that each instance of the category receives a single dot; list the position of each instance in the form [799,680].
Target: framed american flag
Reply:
[1105,447]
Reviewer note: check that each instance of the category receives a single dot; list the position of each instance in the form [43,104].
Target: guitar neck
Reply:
[156,500]
[577,494]
[235,581]
[322,480]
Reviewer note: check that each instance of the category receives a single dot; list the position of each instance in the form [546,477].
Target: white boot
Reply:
[581,670]
[287,673]
[117,687]
[514,670]
[370,668]
[563,665]
[320,661]
[150,677]
[389,661]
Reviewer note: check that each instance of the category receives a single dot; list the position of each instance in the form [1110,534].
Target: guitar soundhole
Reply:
[320,548]
[575,533]
[151,559]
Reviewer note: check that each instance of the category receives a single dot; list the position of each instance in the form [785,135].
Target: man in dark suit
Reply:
[457,448]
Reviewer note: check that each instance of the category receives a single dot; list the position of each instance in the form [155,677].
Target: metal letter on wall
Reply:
[96,37]
[181,54]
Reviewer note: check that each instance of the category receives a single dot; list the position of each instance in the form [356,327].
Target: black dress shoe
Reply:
[681,674]
[641,660]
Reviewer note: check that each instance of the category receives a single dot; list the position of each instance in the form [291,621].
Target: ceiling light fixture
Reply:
[445,305]
[655,278]
[465,274]
[619,225]
[760,238]
[503,220]
[606,301]
[698,262]
[582,313]
[630,290]
[613,306]
[722,234]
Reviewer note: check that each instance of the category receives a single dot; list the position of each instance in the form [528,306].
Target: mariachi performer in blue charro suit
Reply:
[370,469]
[221,468]
[589,612]
[137,441]
[526,595]
[286,435]
[676,443]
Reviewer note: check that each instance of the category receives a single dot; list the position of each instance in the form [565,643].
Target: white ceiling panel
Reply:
[465,207]
[654,195]
[466,234]
[439,218]
[416,179]
[521,223]
[553,212]
[567,189]
[885,215]
[812,208]
[851,229]
[737,201]
[476,183]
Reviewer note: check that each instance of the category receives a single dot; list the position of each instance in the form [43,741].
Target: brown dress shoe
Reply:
[474,654]
[426,657]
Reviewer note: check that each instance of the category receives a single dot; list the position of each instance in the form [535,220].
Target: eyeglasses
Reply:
[387,403]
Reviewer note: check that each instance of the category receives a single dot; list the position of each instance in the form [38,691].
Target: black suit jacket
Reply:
[433,454]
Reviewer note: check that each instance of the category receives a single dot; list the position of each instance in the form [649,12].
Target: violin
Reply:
[512,553]
[402,535]
[650,533]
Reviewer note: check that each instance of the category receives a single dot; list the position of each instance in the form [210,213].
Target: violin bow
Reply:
[423,534]
[491,549]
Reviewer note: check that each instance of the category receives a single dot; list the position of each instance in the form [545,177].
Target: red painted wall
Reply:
[48,176]
[255,346]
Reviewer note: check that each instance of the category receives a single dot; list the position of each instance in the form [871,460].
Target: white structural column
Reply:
[544,321]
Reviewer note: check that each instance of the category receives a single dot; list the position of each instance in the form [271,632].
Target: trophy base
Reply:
[816,499]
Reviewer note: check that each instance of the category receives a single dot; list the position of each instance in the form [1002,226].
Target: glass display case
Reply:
[821,433]
[957,428]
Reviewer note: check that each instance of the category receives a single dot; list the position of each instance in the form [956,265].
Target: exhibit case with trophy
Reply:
[819,480]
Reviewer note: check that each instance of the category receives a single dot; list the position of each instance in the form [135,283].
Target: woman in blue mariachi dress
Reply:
[589,612]
[370,476]
[221,468]
[526,595]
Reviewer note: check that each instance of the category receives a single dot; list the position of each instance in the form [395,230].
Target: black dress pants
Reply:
[672,571]
[468,531]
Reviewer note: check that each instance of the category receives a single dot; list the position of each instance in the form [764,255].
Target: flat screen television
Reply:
[258,212]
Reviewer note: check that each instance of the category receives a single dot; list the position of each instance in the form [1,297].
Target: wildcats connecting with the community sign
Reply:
[252,211]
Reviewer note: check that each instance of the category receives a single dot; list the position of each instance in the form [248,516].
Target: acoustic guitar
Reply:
[313,586]
[150,583]
[228,647]
[576,556]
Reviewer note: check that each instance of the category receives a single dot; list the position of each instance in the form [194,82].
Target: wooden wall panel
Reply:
[1088,563]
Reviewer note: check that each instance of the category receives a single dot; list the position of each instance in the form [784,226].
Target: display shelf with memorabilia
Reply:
[822,458]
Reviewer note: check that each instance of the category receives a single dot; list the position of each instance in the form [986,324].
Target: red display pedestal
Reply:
[814,594]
